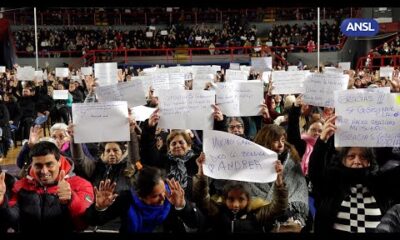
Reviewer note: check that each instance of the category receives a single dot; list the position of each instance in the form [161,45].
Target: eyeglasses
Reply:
[239,126]
[180,143]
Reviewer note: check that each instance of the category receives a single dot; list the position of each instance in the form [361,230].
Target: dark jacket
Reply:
[174,223]
[96,170]
[331,182]
[10,180]
[15,111]
[250,220]
[5,128]
[33,207]
[390,222]
[153,157]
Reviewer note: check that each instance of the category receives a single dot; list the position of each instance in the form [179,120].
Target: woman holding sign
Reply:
[238,212]
[274,137]
[179,160]
[351,192]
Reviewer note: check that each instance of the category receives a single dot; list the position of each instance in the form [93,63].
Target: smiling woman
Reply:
[154,204]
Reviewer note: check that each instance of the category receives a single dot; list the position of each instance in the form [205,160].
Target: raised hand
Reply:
[154,118]
[3,187]
[279,171]
[177,195]
[105,195]
[329,128]
[35,134]
[264,110]
[64,192]
[299,101]
[218,116]
[200,162]
[70,129]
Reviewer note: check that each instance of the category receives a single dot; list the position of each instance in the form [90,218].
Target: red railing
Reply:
[374,63]
[172,55]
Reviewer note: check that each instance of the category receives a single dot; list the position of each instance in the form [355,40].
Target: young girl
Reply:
[238,212]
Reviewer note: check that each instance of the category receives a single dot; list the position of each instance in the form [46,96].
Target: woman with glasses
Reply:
[178,158]
[303,142]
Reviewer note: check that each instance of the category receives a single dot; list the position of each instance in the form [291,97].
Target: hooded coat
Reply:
[33,207]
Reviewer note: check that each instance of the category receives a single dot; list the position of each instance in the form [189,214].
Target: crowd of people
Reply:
[155,182]
[76,41]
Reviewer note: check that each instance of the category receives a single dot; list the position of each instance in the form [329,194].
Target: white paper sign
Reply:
[367,119]
[234,66]
[176,80]
[131,91]
[198,38]
[149,34]
[261,64]
[344,65]
[288,82]
[100,122]
[183,109]
[26,73]
[386,72]
[234,158]
[215,68]
[62,72]
[266,75]
[87,70]
[236,75]
[245,68]
[106,73]
[60,94]
[142,113]
[39,75]
[240,98]
[200,81]
[2,69]
[319,88]
[164,32]
[152,28]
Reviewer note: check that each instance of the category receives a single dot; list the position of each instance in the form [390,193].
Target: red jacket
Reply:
[33,207]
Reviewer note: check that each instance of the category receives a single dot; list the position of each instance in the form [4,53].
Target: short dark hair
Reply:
[147,179]
[236,185]
[44,148]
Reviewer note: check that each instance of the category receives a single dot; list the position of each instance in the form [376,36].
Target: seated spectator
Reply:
[57,209]
[238,212]
[154,204]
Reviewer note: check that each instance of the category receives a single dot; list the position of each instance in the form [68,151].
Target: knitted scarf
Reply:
[178,169]
[144,218]
[310,142]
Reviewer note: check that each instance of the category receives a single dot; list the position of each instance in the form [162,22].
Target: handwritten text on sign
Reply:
[132,92]
[106,73]
[319,88]
[183,109]
[240,98]
[369,119]
[288,82]
[234,158]
[100,122]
